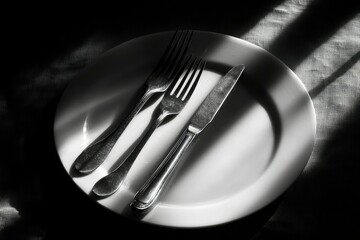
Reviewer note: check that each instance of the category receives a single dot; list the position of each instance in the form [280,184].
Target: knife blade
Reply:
[213,102]
[149,192]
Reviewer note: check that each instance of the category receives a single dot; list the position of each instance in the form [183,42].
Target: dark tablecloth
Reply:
[319,40]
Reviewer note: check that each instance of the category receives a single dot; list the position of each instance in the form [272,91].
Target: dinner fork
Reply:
[157,82]
[172,103]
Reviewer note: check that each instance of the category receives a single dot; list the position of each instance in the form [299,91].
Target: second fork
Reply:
[173,102]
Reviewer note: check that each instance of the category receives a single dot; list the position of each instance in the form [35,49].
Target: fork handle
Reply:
[95,154]
[111,183]
[149,192]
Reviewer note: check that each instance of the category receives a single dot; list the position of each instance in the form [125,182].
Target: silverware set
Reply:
[173,102]
[176,75]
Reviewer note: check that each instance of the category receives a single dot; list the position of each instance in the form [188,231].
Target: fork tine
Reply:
[182,75]
[192,85]
[189,79]
[175,66]
[166,56]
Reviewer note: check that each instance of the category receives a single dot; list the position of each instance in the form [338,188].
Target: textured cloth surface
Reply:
[318,40]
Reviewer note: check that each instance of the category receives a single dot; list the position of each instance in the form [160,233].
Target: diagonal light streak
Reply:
[271,26]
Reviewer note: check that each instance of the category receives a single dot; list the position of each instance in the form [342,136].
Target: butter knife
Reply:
[149,192]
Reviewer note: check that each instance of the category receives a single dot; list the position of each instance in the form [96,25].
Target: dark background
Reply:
[41,56]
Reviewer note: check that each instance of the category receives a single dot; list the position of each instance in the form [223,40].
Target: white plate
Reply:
[257,145]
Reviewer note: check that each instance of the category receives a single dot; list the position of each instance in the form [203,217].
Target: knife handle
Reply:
[149,192]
